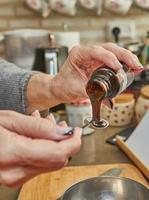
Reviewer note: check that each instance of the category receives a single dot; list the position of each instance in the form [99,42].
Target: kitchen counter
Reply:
[94,150]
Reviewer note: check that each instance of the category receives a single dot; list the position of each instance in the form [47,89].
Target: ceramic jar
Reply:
[77,113]
[142,104]
[142,3]
[123,111]
[94,5]
[64,6]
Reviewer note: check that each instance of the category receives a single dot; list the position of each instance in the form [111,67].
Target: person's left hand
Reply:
[69,84]
[30,146]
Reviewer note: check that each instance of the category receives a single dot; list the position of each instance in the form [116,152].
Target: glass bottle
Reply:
[106,83]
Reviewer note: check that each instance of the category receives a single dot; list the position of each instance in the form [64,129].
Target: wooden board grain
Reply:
[52,185]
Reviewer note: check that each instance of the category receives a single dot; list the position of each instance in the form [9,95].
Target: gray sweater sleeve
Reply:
[13,84]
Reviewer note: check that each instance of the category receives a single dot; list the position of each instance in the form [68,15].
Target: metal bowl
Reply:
[107,188]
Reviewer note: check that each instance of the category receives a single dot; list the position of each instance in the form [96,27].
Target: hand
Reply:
[29,146]
[69,84]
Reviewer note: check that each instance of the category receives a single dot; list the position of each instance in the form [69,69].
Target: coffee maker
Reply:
[50,59]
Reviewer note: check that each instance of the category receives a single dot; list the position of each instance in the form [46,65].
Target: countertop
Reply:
[95,150]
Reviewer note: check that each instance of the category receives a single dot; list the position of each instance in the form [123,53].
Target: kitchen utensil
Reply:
[77,113]
[20,45]
[124,135]
[50,60]
[107,188]
[110,172]
[52,185]
[87,123]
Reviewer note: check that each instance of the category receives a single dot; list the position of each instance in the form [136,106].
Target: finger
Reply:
[125,56]
[31,127]
[43,153]
[17,176]
[54,153]
[72,145]
[37,152]
[105,56]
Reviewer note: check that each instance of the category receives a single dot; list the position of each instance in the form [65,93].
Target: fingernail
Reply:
[70,132]
[137,63]
[64,130]
[140,68]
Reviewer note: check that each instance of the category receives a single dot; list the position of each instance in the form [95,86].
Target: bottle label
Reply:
[122,76]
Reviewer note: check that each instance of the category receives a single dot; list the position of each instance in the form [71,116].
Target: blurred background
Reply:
[38,35]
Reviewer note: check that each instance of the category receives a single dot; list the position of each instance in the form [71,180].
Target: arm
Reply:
[13,85]
[24,91]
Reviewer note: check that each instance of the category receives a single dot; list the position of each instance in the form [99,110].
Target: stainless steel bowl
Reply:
[107,188]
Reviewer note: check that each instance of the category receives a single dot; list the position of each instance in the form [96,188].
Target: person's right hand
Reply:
[30,146]
[69,85]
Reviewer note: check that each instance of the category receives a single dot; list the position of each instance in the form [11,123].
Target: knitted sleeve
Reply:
[13,85]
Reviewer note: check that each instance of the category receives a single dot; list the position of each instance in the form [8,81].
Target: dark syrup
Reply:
[103,84]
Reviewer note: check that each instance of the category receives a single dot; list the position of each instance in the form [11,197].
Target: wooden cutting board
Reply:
[52,185]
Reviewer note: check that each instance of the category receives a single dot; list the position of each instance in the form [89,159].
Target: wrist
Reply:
[61,89]
[40,93]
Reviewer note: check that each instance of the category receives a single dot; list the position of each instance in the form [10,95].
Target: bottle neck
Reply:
[105,87]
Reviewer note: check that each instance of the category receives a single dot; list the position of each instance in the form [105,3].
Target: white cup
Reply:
[95,5]
[89,4]
[42,7]
[118,6]
[77,115]
[64,6]
[142,3]
[69,39]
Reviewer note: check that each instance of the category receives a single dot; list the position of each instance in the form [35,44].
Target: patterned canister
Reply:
[123,110]
[142,104]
